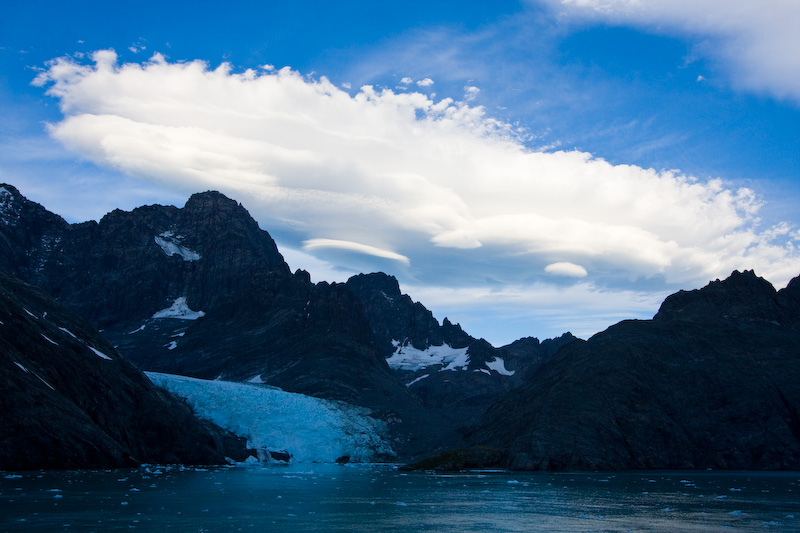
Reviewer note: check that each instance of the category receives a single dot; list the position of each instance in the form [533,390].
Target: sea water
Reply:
[353,497]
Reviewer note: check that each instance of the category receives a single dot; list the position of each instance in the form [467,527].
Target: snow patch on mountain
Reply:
[499,366]
[423,376]
[171,244]
[180,310]
[310,429]
[68,332]
[410,358]
[100,354]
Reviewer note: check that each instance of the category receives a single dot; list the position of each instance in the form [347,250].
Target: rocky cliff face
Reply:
[130,265]
[69,400]
[710,382]
[441,364]
[202,291]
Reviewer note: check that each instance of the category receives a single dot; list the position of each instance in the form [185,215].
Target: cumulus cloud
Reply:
[439,187]
[471,93]
[756,40]
[427,82]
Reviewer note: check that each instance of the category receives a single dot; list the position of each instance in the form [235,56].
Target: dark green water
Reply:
[322,497]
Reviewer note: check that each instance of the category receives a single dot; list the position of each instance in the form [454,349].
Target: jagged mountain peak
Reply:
[740,295]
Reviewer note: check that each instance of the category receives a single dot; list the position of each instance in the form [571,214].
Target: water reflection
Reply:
[319,497]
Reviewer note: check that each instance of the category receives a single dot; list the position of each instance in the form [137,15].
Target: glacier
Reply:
[310,429]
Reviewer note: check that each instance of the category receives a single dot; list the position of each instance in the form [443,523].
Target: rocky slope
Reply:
[69,400]
[441,364]
[202,291]
[710,382]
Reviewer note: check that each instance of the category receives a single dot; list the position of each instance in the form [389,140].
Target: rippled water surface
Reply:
[321,497]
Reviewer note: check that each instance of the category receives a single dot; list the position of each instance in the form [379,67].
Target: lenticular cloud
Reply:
[405,176]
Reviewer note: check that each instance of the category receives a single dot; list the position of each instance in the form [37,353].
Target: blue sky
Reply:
[524,168]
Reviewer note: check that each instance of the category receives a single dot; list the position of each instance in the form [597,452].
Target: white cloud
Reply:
[447,193]
[471,93]
[756,40]
[427,82]
[406,81]
[566,269]
[316,244]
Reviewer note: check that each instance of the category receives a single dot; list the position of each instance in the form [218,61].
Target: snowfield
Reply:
[310,429]
[409,358]
[179,309]
[172,246]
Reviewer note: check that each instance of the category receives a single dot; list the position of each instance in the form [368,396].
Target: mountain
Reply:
[69,400]
[710,382]
[202,291]
[441,364]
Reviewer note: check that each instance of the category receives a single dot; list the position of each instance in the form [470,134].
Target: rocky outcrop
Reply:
[710,382]
[472,376]
[69,400]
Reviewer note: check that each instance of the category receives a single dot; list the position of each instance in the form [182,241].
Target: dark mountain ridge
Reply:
[69,400]
[203,291]
[710,382]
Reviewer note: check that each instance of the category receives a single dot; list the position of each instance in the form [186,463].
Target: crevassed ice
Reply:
[410,358]
[499,366]
[172,246]
[310,429]
[180,310]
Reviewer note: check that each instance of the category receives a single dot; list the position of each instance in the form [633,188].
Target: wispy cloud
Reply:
[439,187]
[756,41]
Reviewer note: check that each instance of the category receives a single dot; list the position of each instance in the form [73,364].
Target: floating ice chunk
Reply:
[180,310]
[499,366]
[410,358]
[256,379]
[48,339]
[34,316]
[172,345]
[140,328]
[98,353]
[22,367]
[172,246]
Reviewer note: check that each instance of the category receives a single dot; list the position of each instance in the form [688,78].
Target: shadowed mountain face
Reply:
[441,364]
[710,382]
[69,400]
[202,291]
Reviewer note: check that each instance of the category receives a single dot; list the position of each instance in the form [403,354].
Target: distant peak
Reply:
[738,294]
[208,199]
[376,281]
